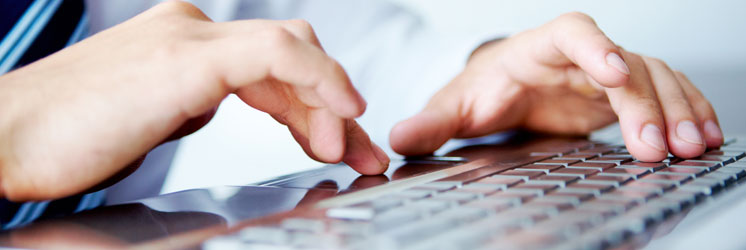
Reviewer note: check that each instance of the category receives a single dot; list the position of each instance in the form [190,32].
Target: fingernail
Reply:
[713,130]
[614,60]
[653,136]
[381,156]
[687,131]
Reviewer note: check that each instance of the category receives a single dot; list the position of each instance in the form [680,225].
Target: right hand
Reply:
[77,117]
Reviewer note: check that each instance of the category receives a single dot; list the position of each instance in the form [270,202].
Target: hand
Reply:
[79,116]
[566,77]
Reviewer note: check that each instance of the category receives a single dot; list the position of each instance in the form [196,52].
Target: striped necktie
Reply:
[33,29]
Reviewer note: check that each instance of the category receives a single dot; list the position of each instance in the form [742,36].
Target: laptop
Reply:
[511,191]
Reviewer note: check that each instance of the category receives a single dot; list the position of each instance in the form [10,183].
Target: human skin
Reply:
[566,77]
[74,119]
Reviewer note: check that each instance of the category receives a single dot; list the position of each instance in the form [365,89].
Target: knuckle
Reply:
[680,74]
[278,37]
[304,29]
[656,61]
[648,104]
[337,68]
[703,106]
[575,16]
[301,24]
[176,6]
[680,102]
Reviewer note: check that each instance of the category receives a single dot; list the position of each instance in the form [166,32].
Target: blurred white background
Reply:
[704,39]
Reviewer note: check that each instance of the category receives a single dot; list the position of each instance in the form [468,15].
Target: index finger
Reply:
[275,53]
[576,38]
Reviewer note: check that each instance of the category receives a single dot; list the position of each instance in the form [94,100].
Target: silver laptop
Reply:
[512,191]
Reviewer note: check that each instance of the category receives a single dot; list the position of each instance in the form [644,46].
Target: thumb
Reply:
[471,105]
[426,131]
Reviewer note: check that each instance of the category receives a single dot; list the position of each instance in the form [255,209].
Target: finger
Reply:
[683,132]
[326,135]
[703,110]
[577,38]
[469,106]
[640,116]
[426,131]
[318,131]
[301,29]
[361,154]
[280,55]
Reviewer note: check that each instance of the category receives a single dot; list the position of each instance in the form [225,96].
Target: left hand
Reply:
[566,77]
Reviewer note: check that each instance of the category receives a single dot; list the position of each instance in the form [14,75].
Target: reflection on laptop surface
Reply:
[523,192]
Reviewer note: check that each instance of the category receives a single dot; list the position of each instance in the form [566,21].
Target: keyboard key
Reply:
[611,160]
[617,206]
[724,178]
[513,196]
[638,196]
[666,179]
[616,180]
[528,215]
[557,204]
[395,218]
[737,173]
[365,210]
[581,173]
[581,156]
[658,188]
[653,166]
[694,172]
[579,197]
[570,223]
[564,179]
[523,175]
[413,194]
[707,186]
[455,196]
[597,151]
[502,181]
[543,168]
[473,235]
[589,165]
[721,178]
[431,205]
[529,239]
[304,224]
[565,162]
[647,170]
[731,153]
[424,229]
[595,189]
[304,239]
[684,197]
[547,154]
[709,166]
[268,235]
[439,186]
[497,205]
[480,188]
[713,159]
[539,189]
[633,173]
[617,155]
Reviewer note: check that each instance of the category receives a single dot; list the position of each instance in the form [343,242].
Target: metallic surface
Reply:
[185,219]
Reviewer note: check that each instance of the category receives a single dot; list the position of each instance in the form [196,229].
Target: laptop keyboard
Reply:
[594,196]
